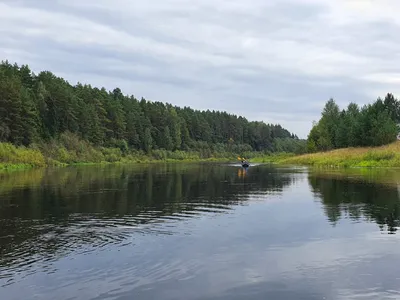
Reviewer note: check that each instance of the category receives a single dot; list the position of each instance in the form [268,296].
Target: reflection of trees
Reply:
[357,198]
[57,210]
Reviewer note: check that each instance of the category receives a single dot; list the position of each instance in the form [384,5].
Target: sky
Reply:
[276,61]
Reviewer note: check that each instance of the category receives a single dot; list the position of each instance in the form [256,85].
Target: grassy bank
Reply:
[46,155]
[383,156]
[12,157]
[271,158]
[71,150]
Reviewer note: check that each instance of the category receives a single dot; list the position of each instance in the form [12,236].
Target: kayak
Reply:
[244,162]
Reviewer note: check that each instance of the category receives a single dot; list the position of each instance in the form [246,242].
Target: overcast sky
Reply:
[273,60]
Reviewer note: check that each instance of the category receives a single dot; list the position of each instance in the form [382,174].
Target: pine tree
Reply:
[10,109]
[148,140]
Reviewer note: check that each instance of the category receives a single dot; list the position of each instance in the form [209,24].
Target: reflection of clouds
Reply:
[335,264]
[277,247]
[368,293]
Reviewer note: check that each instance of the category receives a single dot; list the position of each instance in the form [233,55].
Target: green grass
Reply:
[70,150]
[272,158]
[12,157]
[383,156]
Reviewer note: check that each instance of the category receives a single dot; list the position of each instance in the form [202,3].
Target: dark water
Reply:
[199,232]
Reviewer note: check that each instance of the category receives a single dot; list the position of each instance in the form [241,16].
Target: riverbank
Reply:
[81,153]
[271,158]
[383,156]
[52,155]
[49,155]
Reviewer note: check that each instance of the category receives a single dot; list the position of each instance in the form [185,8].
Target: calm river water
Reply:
[199,231]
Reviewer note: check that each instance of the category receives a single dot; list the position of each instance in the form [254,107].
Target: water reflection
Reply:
[242,172]
[359,196]
[45,214]
[197,231]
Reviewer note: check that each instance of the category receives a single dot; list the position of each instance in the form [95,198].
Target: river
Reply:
[199,231]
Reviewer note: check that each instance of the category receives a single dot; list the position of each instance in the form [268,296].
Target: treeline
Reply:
[41,108]
[371,125]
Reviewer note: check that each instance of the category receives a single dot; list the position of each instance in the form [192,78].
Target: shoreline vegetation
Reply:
[386,156]
[354,137]
[14,158]
[46,121]
[74,151]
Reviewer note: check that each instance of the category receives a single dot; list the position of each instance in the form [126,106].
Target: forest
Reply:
[46,113]
[371,125]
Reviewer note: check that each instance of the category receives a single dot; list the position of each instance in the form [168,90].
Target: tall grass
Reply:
[383,156]
[19,157]
[69,149]
[271,158]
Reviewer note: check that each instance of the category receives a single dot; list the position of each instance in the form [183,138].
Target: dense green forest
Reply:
[371,125]
[43,109]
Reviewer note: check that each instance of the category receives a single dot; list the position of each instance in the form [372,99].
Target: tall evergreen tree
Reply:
[43,107]
[375,124]
[11,126]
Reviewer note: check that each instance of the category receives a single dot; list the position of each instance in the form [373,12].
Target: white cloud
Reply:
[201,53]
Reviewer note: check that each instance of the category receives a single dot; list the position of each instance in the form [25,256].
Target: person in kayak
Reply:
[243,161]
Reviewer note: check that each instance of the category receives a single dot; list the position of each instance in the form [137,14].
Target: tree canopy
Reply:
[40,108]
[371,125]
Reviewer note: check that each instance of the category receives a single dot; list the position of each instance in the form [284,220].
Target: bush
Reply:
[9,154]
[112,154]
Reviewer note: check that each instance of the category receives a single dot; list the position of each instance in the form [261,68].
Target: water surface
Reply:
[199,231]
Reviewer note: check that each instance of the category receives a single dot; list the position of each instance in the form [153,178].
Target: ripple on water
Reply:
[84,234]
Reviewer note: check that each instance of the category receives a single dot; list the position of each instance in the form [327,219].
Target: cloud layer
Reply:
[276,61]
